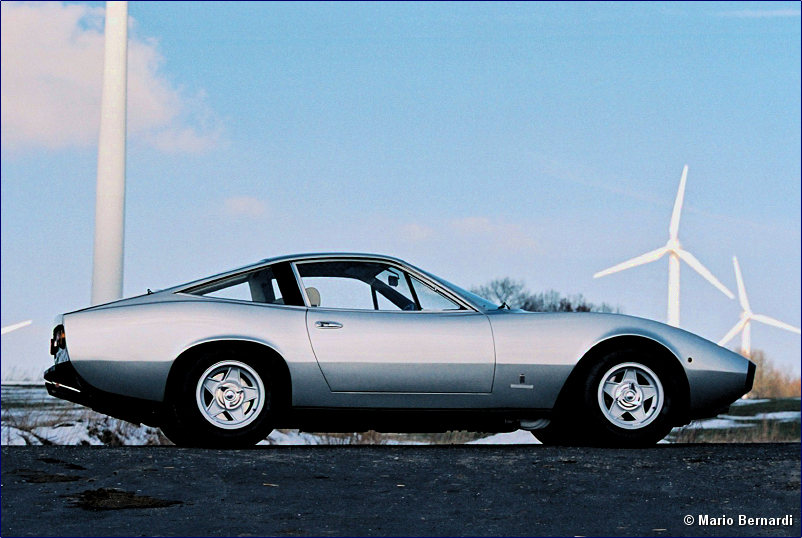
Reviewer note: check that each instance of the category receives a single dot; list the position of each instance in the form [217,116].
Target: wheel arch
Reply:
[266,356]
[672,363]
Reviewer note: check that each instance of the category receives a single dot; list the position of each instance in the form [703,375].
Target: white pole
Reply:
[107,269]
[746,341]
[673,290]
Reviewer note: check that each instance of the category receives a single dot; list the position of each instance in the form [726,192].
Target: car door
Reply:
[376,328]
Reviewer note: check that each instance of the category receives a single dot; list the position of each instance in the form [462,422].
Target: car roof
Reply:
[283,258]
[315,255]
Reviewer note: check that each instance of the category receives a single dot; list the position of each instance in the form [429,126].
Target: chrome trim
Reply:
[238,301]
[62,386]
[300,284]
[328,325]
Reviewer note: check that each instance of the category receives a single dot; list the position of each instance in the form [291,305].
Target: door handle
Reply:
[328,325]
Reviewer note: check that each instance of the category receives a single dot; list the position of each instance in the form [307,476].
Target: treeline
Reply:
[514,294]
[771,381]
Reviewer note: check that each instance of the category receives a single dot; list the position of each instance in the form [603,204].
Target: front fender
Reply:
[549,345]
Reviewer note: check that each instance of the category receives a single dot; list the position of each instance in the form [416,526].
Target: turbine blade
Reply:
[776,323]
[697,266]
[634,262]
[673,229]
[20,325]
[733,332]
[742,298]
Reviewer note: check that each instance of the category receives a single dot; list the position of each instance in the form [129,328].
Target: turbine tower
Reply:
[675,254]
[107,266]
[747,316]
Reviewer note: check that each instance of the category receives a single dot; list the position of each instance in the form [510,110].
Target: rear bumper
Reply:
[64,382]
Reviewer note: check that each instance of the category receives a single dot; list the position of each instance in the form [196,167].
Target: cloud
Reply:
[415,233]
[506,235]
[473,225]
[761,13]
[244,206]
[52,64]
[497,234]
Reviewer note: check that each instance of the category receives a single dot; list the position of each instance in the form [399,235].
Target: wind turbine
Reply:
[743,325]
[20,325]
[675,254]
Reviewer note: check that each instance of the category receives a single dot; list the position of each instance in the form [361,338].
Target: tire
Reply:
[221,401]
[553,435]
[629,399]
[625,400]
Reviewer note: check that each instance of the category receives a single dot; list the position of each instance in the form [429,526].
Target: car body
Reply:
[349,342]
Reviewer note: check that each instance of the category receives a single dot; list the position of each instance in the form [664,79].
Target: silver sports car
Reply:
[352,342]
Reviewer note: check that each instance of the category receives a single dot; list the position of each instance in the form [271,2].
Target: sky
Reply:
[538,141]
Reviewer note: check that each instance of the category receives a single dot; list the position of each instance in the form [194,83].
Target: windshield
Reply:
[479,301]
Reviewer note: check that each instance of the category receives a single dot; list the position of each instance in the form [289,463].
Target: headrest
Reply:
[314,296]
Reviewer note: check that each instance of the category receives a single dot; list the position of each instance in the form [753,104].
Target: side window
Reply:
[264,287]
[356,285]
[257,286]
[428,299]
[338,292]
[393,279]
[240,291]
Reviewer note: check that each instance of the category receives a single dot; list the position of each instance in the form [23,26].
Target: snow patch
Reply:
[519,437]
[717,424]
[747,401]
[105,431]
[291,437]
[12,436]
[782,416]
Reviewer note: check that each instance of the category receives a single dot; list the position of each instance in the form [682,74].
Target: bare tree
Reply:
[514,294]
[503,291]
[552,301]
[772,381]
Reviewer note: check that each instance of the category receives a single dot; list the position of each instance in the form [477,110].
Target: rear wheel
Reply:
[221,401]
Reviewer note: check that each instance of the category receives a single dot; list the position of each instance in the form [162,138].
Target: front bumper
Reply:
[719,402]
[64,382]
[750,377]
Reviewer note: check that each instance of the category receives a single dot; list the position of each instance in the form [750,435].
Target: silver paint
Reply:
[378,359]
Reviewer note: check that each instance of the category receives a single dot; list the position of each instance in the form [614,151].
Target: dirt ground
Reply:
[402,491]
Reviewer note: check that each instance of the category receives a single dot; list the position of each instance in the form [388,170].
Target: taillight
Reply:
[59,340]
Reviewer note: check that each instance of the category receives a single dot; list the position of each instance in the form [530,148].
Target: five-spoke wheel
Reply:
[630,395]
[624,398]
[221,399]
[230,394]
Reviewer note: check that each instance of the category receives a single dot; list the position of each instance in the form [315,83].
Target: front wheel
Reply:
[221,401]
[628,399]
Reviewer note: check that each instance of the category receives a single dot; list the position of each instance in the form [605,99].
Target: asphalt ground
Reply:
[457,490]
